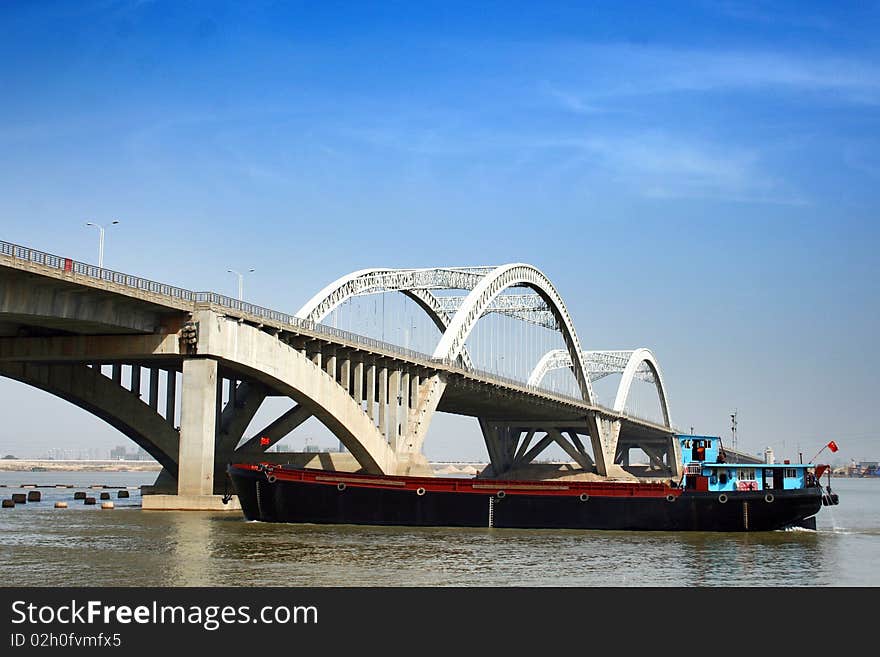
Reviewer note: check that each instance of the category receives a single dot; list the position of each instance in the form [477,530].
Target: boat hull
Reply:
[303,496]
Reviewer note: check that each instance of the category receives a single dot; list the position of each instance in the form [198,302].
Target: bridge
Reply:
[184,373]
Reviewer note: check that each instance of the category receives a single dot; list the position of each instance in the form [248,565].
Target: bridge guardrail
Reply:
[226,302]
[144,284]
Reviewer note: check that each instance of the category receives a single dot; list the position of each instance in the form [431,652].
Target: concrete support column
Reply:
[383,399]
[170,395]
[358,382]
[414,382]
[331,366]
[316,358]
[404,406]
[603,436]
[153,399]
[394,400]
[198,417]
[371,390]
[135,383]
[218,404]
[345,375]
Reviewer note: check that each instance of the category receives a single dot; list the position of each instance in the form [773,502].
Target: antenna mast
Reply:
[733,428]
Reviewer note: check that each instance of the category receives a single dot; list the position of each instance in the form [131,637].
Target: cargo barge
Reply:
[712,495]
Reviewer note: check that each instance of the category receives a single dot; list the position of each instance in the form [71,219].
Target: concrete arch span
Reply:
[280,367]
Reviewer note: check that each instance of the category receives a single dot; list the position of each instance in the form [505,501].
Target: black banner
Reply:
[386,620]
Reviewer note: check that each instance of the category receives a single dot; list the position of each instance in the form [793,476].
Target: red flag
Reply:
[264,440]
[832,446]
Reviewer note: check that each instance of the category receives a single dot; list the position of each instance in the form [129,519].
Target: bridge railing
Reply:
[93,271]
[229,303]
[305,324]
[136,282]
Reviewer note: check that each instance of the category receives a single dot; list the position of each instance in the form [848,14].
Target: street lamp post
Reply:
[101,229]
[240,281]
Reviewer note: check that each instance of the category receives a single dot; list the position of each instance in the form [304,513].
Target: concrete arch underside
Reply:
[87,388]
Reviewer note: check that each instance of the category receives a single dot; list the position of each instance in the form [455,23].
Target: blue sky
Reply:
[697,177]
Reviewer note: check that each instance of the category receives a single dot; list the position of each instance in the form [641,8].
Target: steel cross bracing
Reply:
[375,281]
[599,363]
[526,307]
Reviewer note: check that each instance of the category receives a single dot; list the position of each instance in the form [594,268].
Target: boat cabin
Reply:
[706,469]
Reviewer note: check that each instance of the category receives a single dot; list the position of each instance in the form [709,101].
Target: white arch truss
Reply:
[599,365]
[637,359]
[484,294]
[636,364]
[526,307]
[376,281]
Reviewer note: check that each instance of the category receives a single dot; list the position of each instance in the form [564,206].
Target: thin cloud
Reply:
[645,70]
[660,166]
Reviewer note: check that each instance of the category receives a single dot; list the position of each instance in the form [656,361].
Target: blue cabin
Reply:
[706,468]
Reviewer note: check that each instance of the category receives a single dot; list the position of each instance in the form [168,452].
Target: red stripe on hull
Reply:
[454,485]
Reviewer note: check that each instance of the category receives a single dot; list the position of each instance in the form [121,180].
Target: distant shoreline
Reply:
[108,465]
[40,465]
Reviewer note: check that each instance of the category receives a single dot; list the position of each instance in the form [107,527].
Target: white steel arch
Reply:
[376,281]
[636,360]
[373,281]
[485,292]
[599,364]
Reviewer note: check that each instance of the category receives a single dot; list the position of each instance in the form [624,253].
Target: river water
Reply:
[86,546]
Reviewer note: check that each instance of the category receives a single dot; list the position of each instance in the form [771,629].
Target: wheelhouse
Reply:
[706,469]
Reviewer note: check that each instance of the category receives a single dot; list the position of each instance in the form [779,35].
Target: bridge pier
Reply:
[198,427]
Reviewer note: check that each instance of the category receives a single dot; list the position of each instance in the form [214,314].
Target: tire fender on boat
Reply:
[670,498]
[420,491]
[500,494]
[722,498]
[340,486]
[270,478]
[769,498]
[584,497]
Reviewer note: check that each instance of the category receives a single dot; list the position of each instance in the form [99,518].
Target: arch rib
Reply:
[636,359]
[481,297]
[372,281]
[376,281]
[599,364]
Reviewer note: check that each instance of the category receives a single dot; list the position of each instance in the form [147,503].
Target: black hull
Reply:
[309,502]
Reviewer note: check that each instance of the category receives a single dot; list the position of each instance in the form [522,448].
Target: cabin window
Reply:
[746,474]
[791,473]
[722,478]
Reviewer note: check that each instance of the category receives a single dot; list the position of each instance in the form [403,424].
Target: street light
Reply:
[240,281]
[101,229]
